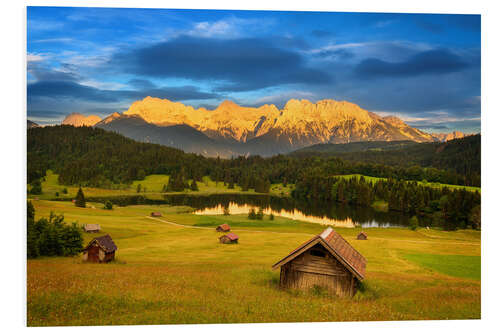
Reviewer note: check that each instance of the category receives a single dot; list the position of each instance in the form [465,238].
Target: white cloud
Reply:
[35,57]
[284,97]
[231,27]
[388,51]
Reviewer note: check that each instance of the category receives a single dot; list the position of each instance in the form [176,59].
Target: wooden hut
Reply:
[92,227]
[362,236]
[155,214]
[100,249]
[223,228]
[326,260]
[229,238]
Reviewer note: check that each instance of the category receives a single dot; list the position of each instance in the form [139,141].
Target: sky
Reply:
[423,68]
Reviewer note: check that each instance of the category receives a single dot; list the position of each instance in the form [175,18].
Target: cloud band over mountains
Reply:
[104,59]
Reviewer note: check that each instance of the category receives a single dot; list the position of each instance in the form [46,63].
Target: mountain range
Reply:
[231,129]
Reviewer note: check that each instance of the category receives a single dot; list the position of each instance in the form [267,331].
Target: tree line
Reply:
[52,236]
[451,208]
[89,156]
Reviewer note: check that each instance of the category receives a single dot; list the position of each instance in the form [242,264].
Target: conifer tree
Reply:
[80,199]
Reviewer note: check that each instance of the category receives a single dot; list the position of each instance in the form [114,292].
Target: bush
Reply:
[226,210]
[108,205]
[271,216]
[65,190]
[52,237]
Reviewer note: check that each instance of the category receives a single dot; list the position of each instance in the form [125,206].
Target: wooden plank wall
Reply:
[308,270]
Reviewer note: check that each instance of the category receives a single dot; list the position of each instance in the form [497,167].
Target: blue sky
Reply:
[423,68]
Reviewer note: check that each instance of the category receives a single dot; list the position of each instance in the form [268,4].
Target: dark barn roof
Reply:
[337,246]
[105,242]
[232,236]
[224,227]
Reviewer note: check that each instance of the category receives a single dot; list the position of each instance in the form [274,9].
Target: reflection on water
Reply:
[331,214]
[295,214]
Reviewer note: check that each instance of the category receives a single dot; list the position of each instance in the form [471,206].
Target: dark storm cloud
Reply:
[74,90]
[42,73]
[431,126]
[244,64]
[45,113]
[437,61]
[69,89]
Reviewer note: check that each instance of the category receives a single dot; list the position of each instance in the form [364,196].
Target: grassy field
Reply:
[151,185]
[167,273]
[435,185]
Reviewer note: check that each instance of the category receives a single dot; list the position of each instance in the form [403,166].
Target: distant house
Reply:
[229,238]
[326,260]
[100,249]
[223,228]
[156,214]
[362,236]
[92,227]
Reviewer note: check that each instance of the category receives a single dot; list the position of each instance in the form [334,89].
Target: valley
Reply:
[150,284]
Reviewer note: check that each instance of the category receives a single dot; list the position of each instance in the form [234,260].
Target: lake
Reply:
[338,215]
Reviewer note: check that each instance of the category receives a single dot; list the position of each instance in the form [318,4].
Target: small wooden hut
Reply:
[223,228]
[326,260]
[100,249]
[230,238]
[362,236]
[92,227]
[155,214]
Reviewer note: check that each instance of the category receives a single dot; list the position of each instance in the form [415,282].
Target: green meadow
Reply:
[173,270]
[151,185]
[423,183]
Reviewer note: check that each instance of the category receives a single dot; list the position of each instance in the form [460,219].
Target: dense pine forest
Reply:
[459,156]
[93,157]
[89,156]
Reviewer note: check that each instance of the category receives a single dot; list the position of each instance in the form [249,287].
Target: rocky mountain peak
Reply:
[77,119]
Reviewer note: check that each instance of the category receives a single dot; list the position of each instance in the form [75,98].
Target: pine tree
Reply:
[36,187]
[260,214]
[251,214]
[108,205]
[194,186]
[80,199]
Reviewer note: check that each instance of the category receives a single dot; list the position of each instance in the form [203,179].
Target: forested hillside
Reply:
[93,157]
[462,156]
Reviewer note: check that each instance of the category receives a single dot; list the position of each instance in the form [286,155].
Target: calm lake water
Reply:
[334,214]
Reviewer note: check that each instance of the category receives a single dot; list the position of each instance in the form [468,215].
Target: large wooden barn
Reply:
[100,249]
[326,260]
